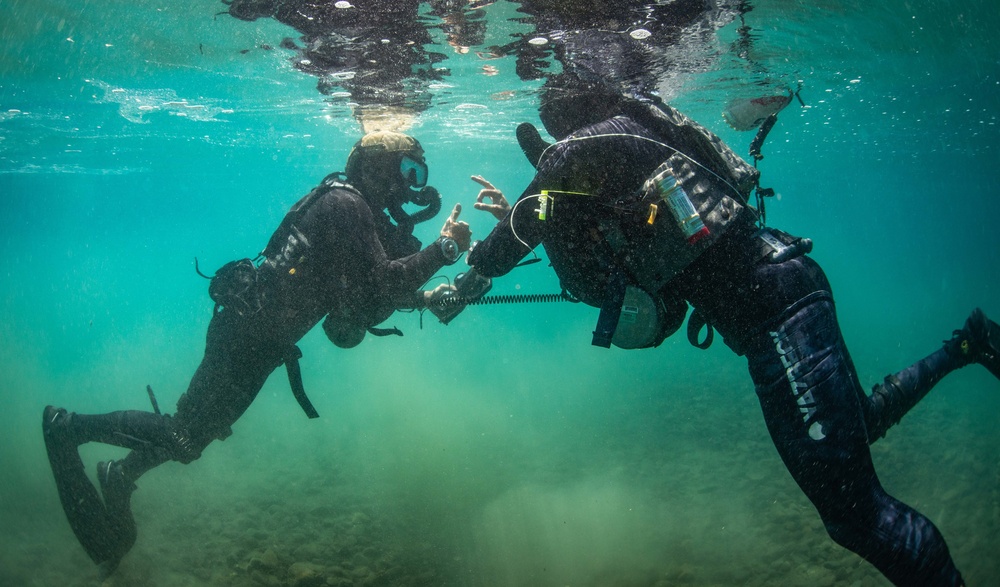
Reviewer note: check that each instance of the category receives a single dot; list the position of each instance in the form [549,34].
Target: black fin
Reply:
[105,538]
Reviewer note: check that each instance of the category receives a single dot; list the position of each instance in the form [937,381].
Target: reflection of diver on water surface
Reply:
[641,48]
[636,44]
[375,51]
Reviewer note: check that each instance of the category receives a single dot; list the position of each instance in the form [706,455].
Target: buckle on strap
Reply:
[777,246]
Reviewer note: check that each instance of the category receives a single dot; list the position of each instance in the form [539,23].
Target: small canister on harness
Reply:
[681,207]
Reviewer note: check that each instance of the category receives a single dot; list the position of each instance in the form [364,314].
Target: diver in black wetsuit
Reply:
[337,254]
[605,191]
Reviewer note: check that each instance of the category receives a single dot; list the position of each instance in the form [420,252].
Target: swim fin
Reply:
[531,142]
[105,538]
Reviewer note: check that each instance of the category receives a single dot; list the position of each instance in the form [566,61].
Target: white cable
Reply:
[512,210]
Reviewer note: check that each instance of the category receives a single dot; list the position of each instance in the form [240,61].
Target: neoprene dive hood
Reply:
[393,152]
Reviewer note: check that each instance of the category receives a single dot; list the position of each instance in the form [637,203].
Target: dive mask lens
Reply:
[414,171]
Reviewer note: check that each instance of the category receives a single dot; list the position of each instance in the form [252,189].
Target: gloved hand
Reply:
[443,302]
[447,301]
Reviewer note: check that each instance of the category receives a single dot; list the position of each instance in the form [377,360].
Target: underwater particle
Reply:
[343,4]
[538,41]
[640,34]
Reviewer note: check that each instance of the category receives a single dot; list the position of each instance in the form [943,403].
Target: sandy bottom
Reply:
[661,490]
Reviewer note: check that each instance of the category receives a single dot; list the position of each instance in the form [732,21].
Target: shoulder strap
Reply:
[329,183]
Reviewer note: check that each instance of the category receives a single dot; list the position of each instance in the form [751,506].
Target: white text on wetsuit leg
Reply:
[800,391]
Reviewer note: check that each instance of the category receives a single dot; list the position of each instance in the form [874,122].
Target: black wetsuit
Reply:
[781,316]
[342,270]
[331,256]
[328,258]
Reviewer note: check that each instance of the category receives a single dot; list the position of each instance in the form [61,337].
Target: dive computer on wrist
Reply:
[449,249]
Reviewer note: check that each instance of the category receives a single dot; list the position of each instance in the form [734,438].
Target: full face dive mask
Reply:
[413,170]
[395,152]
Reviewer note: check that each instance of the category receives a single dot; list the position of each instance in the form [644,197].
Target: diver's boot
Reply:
[117,489]
[58,429]
[977,342]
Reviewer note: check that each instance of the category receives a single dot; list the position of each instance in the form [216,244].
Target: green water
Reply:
[502,449]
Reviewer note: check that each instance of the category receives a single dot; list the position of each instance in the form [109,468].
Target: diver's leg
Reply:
[811,401]
[239,357]
[899,393]
[131,429]
[977,342]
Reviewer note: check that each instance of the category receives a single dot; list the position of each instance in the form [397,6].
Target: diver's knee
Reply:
[846,535]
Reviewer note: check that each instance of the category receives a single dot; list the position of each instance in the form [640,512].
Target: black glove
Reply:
[446,301]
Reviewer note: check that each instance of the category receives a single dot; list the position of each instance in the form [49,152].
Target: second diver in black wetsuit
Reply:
[600,203]
[337,254]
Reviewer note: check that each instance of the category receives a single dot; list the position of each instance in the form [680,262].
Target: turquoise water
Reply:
[502,449]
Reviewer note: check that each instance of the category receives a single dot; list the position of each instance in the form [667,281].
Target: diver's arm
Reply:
[396,278]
